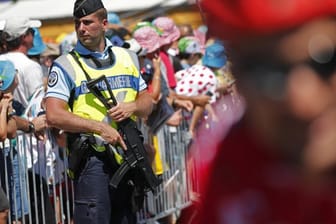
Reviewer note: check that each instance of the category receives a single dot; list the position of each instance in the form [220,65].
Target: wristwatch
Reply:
[31,127]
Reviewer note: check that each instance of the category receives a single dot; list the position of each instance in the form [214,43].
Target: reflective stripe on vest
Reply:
[123,78]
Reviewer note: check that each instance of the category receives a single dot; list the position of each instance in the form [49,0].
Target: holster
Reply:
[78,152]
[80,147]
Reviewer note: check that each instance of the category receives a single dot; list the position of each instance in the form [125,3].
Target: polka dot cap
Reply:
[196,80]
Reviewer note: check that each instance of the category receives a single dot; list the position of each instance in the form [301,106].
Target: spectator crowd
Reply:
[253,87]
[188,77]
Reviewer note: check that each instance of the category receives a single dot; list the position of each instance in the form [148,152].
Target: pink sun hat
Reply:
[148,38]
[170,32]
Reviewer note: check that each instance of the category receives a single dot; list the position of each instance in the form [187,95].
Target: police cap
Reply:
[85,7]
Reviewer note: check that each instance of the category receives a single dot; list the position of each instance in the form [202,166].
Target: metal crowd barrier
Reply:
[174,194]
[42,192]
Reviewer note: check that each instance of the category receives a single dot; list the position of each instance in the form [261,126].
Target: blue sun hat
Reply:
[113,18]
[7,75]
[38,45]
[214,56]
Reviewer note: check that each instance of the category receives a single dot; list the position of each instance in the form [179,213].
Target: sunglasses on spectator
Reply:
[270,76]
[30,31]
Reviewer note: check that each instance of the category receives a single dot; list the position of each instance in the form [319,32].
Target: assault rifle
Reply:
[135,157]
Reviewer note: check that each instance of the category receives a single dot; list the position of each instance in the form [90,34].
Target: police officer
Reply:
[95,201]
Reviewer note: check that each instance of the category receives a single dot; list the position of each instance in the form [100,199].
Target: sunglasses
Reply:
[30,31]
[270,76]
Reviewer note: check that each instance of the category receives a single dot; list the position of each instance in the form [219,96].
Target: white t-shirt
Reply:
[29,75]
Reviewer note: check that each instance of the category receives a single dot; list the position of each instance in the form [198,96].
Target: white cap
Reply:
[2,24]
[135,47]
[17,26]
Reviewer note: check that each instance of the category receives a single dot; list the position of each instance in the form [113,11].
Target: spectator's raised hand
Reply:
[156,63]
[184,104]
[201,100]
[6,101]
[40,124]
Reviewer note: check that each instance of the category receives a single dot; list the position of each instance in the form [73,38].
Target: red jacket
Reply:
[249,183]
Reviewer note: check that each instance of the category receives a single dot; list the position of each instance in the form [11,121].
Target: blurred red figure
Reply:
[277,164]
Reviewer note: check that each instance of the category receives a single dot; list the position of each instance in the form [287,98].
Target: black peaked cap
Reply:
[85,7]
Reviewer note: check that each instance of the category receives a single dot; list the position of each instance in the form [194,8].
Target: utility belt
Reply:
[82,146]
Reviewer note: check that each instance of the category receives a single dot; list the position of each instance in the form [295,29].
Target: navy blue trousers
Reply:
[98,203]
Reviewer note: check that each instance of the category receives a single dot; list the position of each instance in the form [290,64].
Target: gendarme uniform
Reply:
[95,202]
[68,82]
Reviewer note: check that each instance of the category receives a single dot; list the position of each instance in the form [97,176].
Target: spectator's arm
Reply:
[156,80]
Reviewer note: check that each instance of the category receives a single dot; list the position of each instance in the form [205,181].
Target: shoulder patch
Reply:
[52,79]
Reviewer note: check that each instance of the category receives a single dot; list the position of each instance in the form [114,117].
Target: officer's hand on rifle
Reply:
[112,136]
[122,111]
